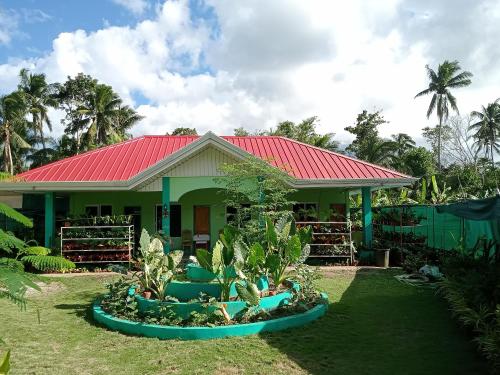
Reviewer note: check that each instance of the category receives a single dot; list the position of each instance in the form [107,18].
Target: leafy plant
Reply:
[286,245]
[158,268]
[221,262]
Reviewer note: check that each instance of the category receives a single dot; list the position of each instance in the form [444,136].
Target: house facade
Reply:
[169,182]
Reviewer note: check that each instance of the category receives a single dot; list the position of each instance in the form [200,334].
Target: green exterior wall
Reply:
[189,192]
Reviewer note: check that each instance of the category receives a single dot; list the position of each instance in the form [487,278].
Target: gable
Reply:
[204,163]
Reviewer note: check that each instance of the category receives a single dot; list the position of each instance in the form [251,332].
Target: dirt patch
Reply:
[46,289]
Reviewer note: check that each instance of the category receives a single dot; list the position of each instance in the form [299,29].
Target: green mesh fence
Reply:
[441,231]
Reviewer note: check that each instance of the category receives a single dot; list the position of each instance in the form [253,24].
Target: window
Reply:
[175,219]
[305,211]
[98,210]
[232,211]
[92,210]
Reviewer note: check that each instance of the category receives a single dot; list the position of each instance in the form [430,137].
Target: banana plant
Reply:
[439,196]
[158,268]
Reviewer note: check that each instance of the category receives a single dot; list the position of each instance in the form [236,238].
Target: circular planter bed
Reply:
[184,309]
[187,290]
[205,333]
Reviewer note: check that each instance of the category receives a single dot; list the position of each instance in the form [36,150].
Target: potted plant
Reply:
[381,253]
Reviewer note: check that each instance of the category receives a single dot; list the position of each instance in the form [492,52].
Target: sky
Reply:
[222,64]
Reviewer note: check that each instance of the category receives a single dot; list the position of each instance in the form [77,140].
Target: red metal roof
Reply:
[122,161]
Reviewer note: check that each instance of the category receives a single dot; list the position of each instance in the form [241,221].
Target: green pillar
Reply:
[50,222]
[165,219]
[366,205]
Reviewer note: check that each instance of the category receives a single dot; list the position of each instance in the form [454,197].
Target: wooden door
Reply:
[201,220]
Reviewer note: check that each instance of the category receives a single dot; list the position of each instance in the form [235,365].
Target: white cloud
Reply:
[269,62]
[8,25]
[137,7]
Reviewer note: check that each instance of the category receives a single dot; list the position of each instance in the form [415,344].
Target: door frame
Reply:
[209,221]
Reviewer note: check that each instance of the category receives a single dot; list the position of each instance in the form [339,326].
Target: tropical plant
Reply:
[12,124]
[439,196]
[222,262]
[252,188]
[104,117]
[39,96]
[487,129]
[286,245]
[157,268]
[20,252]
[305,132]
[440,84]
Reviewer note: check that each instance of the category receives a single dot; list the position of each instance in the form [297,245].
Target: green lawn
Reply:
[375,325]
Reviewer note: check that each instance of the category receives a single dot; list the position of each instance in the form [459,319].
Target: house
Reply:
[150,175]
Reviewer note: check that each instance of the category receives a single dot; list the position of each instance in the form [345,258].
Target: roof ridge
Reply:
[79,156]
[345,156]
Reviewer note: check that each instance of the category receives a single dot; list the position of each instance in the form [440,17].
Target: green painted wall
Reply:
[189,192]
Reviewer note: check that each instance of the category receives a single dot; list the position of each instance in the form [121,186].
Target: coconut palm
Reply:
[107,120]
[380,151]
[39,97]
[488,129]
[401,143]
[12,122]
[440,83]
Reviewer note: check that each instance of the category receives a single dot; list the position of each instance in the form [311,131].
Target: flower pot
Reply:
[382,257]
[146,294]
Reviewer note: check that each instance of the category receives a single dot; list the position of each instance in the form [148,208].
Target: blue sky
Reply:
[221,64]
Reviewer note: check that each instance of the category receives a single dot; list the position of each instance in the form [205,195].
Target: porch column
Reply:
[366,205]
[49,220]
[165,217]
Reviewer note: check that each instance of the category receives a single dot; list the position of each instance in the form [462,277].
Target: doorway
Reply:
[202,220]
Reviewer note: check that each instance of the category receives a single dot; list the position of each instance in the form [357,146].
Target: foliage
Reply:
[5,363]
[37,257]
[417,162]
[252,187]
[305,132]
[14,282]
[447,77]
[487,129]
[365,132]
[286,245]
[184,131]
[221,261]
[472,288]
[119,301]
[157,268]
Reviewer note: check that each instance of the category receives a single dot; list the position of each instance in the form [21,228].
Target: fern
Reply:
[14,215]
[8,242]
[47,262]
[14,283]
[36,250]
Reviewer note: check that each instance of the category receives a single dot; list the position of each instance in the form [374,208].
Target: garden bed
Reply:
[205,333]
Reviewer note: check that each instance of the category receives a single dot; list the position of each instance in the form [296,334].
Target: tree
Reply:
[305,132]
[39,96]
[366,141]
[105,119]
[72,95]
[418,162]
[12,121]
[241,132]
[380,151]
[399,144]
[184,131]
[488,129]
[441,82]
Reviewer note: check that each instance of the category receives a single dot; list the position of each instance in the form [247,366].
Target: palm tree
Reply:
[380,151]
[402,142]
[39,97]
[488,129]
[106,118]
[12,121]
[100,113]
[440,84]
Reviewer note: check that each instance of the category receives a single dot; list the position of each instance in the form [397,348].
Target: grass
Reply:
[375,325]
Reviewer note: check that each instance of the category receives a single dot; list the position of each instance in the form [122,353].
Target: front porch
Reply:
[193,205]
